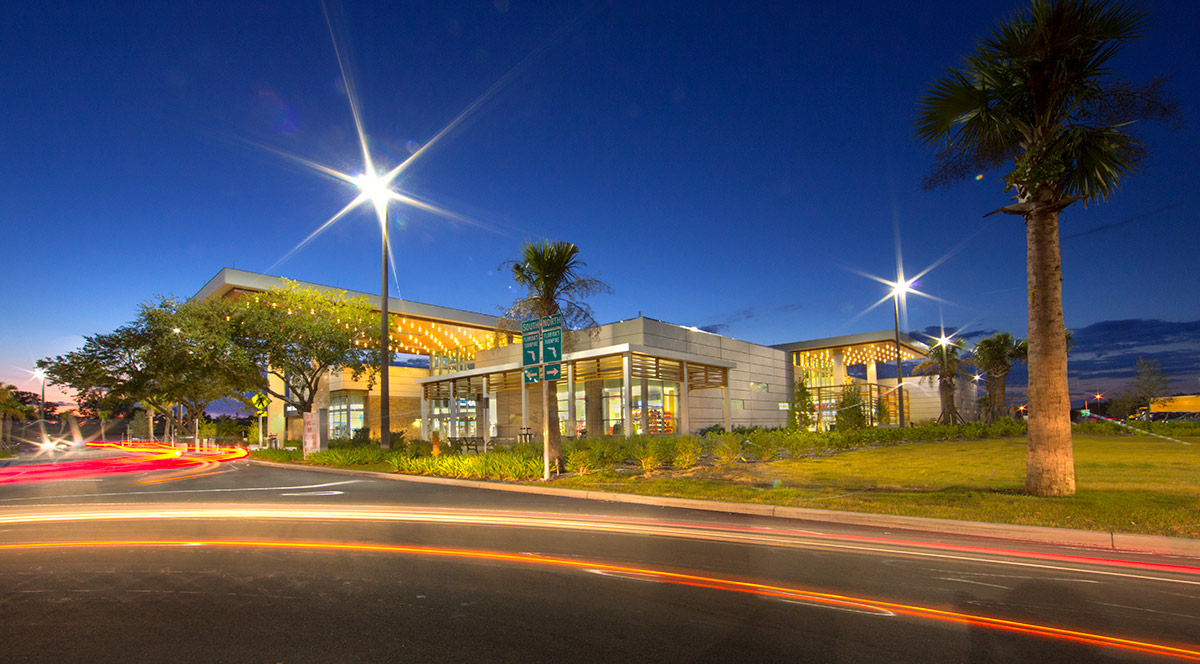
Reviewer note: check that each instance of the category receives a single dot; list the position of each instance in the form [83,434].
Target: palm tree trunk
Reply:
[1049,463]
[1000,400]
[949,411]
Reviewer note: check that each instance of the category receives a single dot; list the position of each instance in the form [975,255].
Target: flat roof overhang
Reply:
[421,329]
[860,348]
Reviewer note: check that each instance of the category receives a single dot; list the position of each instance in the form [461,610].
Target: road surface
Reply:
[240,563]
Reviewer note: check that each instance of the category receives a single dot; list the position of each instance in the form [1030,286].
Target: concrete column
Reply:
[627,393]
[839,368]
[593,405]
[453,410]
[685,426]
[483,414]
[426,433]
[644,422]
[572,421]
[725,405]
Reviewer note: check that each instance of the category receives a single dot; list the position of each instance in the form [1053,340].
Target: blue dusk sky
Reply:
[732,166]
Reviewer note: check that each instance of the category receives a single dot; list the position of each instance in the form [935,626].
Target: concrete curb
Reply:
[1093,539]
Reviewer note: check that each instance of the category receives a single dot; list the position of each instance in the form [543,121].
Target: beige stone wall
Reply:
[404,413]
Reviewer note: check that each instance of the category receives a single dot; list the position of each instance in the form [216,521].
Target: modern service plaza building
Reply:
[636,376]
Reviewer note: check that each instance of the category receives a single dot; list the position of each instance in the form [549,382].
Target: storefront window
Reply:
[662,402]
[345,415]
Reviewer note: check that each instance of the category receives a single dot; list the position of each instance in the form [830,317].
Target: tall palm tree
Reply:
[552,275]
[1037,95]
[943,363]
[11,408]
[995,356]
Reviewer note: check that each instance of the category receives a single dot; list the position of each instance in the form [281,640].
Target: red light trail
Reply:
[139,458]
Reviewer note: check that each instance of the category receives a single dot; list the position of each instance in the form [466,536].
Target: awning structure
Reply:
[856,349]
[416,328]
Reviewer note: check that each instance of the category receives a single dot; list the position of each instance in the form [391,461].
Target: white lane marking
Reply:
[978,583]
[160,493]
[314,493]
[1138,608]
[865,609]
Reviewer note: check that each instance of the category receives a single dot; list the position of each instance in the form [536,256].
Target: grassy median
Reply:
[1133,484]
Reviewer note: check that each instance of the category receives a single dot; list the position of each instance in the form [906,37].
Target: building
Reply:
[629,377]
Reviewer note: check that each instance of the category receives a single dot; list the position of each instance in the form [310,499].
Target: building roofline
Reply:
[881,336]
[229,279]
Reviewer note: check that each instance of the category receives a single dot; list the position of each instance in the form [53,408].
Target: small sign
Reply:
[1084,412]
[532,374]
[783,405]
[553,371]
[260,401]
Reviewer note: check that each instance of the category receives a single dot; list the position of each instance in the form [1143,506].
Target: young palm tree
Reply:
[552,275]
[1037,94]
[11,408]
[943,363]
[995,356]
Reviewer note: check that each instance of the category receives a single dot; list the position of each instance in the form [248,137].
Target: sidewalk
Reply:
[1093,539]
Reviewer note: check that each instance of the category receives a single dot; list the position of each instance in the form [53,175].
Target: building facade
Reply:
[637,376]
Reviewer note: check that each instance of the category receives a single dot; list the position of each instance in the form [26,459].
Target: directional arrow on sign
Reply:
[553,371]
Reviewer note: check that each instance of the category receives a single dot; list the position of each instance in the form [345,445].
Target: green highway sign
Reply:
[552,344]
[531,343]
[532,374]
[553,371]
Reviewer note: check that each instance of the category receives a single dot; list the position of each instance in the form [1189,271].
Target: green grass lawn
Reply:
[1125,484]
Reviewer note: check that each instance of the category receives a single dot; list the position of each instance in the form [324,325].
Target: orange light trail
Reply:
[1188,652]
[624,526]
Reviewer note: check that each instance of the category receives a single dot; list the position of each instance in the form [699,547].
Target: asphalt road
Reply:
[240,563]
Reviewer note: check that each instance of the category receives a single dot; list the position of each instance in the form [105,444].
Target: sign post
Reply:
[541,361]
[260,401]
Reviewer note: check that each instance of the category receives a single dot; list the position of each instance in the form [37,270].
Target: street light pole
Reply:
[899,366]
[385,350]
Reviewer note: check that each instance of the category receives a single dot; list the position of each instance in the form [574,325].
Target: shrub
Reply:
[278,456]
[580,460]
[419,448]
[767,444]
[688,451]
[727,448]
[646,458]
[663,448]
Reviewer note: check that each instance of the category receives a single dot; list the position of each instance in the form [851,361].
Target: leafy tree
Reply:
[1038,95]
[943,364]
[298,334]
[883,415]
[171,354]
[1148,383]
[800,408]
[995,356]
[552,275]
[190,345]
[851,412]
